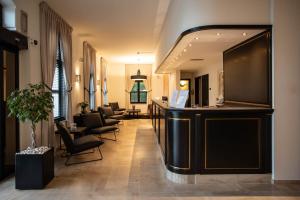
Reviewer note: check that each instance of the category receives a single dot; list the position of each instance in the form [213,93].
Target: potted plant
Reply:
[83,105]
[34,166]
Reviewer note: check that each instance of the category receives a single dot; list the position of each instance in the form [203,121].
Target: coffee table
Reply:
[133,113]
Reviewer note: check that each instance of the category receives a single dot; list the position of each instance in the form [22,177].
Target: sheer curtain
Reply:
[89,70]
[104,92]
[49,40]
[53,27]
[128,85]
[66,41]
[148,87]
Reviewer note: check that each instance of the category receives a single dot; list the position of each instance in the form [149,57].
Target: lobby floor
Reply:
[132,169]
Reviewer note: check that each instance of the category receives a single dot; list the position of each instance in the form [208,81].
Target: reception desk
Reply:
[214,140]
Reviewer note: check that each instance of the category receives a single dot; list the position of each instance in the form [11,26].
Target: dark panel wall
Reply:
[247,71]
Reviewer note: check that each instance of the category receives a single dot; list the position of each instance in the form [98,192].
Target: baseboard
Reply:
[286,181]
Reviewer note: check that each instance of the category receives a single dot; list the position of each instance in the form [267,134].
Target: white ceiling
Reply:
[207,45]
[116,28]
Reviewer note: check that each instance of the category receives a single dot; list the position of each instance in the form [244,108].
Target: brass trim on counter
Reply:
[182,119]
[250,104]
[259,141]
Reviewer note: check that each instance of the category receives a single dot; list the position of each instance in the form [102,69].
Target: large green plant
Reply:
[33,104]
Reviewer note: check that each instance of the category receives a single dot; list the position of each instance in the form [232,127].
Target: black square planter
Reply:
[34,171]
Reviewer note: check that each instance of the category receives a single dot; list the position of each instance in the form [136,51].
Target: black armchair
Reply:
[95,126]
[110,114]
[75,147]
[115,107]
[108,121]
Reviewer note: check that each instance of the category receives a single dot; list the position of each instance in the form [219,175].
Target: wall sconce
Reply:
[77,78]
[98,82]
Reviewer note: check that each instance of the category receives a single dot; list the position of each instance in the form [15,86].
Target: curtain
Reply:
[49,41]
[148,87]
[93,73]
[89,69]
[66,41]
[86,70]
[52,29]
[104,92]
[128,85]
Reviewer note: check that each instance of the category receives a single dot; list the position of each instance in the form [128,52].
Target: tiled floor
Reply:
[132,169]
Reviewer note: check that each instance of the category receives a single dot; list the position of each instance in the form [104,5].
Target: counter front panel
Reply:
[215,141]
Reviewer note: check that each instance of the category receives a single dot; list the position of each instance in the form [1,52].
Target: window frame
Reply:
[138,94]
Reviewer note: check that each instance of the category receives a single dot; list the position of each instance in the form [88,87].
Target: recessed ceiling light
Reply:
[218,34]
[190,44]
[196,38]
[244,34]
[184,50]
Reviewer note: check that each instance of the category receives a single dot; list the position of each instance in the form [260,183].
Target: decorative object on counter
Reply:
[133,107]
[34,166]
[83,105]
[164,98]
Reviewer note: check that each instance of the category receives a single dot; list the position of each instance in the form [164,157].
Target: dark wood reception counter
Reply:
[214,140]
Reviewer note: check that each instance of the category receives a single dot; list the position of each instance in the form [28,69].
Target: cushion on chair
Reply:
[103,129]
[85,143]
[111,122]
[117,117]
[118,112]
[102,116]
[114,106]
[92,120]
[66,136]
[108,111]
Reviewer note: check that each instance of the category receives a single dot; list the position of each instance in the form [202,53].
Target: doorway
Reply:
[9,128]
[202,90]
[185,84]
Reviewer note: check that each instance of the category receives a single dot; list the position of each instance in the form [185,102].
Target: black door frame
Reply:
[197,87]
[15,50]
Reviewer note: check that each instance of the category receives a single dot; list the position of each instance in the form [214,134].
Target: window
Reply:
[92,92]
[59,85]
[138,93]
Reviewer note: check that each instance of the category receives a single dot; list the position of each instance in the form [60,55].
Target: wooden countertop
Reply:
[226,107]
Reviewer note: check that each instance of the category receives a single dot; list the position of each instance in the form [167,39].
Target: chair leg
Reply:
[104,138]
[75,163]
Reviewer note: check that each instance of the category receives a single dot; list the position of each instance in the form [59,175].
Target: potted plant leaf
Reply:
[83,105]
[35,165]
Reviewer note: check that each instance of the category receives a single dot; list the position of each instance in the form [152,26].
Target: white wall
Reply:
[286,21]
[186,14]
[77,92]
[116,83]
[29,60]
[213,71]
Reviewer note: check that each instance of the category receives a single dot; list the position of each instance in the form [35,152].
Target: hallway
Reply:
[132,169]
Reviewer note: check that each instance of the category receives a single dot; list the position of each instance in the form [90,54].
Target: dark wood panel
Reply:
[162,132]
[179,143]
[13,39]
[232,143]
[216,141]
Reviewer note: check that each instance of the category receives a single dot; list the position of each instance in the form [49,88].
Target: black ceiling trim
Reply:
[209,27]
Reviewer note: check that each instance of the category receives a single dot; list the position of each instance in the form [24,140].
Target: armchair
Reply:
[76,146]
[95,126]
[108,112]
